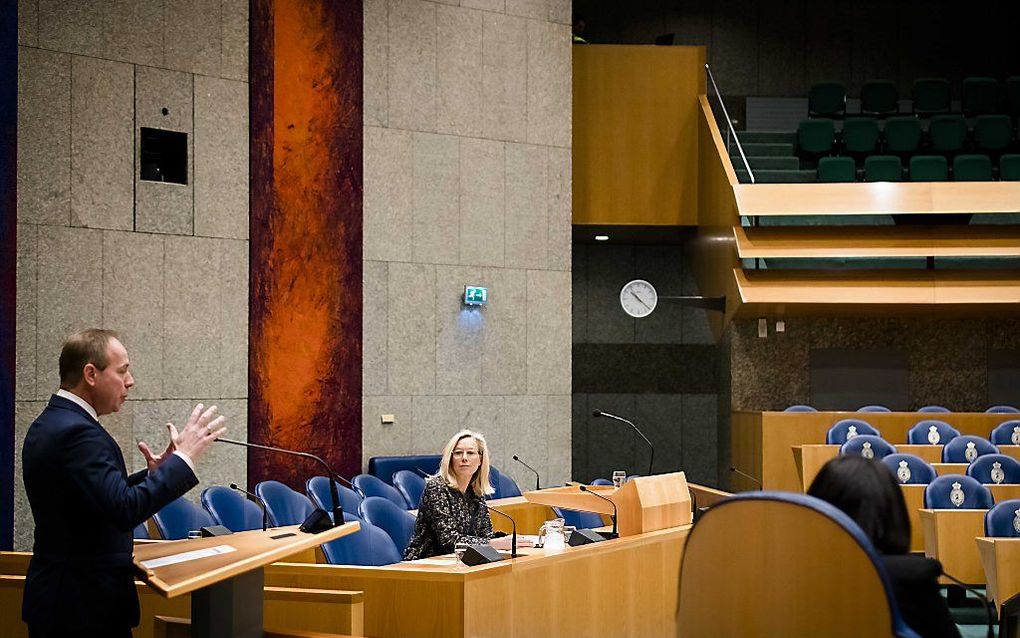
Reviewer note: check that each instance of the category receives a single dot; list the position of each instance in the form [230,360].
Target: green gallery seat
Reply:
[837,169]
[860,136]
[880,98]
[992,133]
[947,134]
[815,137]
[929,168]
[980,96]
[972,168]
[930,96]
[883,168]
[902,135]
[827,99]
[1009,167]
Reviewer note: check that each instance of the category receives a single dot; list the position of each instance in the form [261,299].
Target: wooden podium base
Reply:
[231,608]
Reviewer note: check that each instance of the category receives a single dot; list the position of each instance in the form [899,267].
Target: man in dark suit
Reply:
[80,581]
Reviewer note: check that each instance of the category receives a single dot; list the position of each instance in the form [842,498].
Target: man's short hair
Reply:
[81,349]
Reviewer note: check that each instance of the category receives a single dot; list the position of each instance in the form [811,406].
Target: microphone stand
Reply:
[258,500]
[651,458]
[745,475]
[513,538]
[338,512]
[538,481]
[984,599]
[587,490]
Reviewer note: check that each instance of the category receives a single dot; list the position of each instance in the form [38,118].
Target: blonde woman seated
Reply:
[452,510]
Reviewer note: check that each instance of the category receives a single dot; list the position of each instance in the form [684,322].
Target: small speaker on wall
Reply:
[164,156]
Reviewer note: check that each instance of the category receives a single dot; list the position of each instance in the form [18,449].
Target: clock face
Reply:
[638,298]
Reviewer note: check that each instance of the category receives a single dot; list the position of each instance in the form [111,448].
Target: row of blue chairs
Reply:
[995,409]
[961,449]
[910,469]
[927,432]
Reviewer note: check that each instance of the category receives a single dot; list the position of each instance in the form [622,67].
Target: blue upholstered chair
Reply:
[931,432]
[873,408]
[934,409]
[411,485]
[580,520]
[1003,520]
[1006,433]
[956,491]
[753,563]
[844,430]
[800,408]
[506,487]
[601,481]
[179,517]
[867,445]
[391,518]
[370,485]
[384,467]
[140,531]
[966,448]
[317,489]
[1002,409]
[909,469]
[994,469]
[367,546]
[230,509]
[286,507]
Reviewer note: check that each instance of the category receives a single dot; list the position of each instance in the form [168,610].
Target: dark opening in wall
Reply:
[164,156]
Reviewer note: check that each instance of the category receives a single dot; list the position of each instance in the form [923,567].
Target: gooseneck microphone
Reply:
[587,490]
[651,459]
[513,538]
[982,597]
[338,511]
[745,475]
[538,481]
[258,500]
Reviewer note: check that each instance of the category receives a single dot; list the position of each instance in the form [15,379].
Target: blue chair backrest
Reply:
[931,432]
[800,408]
[1003,520]
[1006,433]
[992,469]
[286,507]
[506,486]
[844,430]
[140,531]
[384,467]
[395,521]
[933,408]
[601,481]
[873,408]
[317,489]
[966,448]
[230,509]
[1002,409]
[867,445]
[179,517]
[367,546]
[411,486]
[370,485]
[580,520]
[909,469]
[956,491]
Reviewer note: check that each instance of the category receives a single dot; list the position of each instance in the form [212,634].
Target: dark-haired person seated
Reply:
[867,492]
[452,509]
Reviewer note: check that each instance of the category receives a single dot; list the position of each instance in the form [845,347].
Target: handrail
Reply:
[729,122]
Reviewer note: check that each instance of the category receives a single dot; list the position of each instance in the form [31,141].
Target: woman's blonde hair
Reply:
[480,481]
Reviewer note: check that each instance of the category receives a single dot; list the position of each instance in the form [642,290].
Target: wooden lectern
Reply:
[224,574]
[644,503]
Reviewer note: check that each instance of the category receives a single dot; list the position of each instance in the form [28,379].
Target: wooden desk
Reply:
[809,459]
[527,515]
[761,441]
[948,537]
[623,587]
[1000,558]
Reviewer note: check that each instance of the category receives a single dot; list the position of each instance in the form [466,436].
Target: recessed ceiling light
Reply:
[601,237]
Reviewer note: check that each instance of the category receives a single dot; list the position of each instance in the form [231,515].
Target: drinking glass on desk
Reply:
[619,478]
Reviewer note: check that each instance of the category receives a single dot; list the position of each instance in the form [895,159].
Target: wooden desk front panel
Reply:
[1000,558]
[949,536]
[527,515]
[624,587]
[762,441]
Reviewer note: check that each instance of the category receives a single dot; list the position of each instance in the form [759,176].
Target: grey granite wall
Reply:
[467,181]
[164,264]
[660,372]
[948,358]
